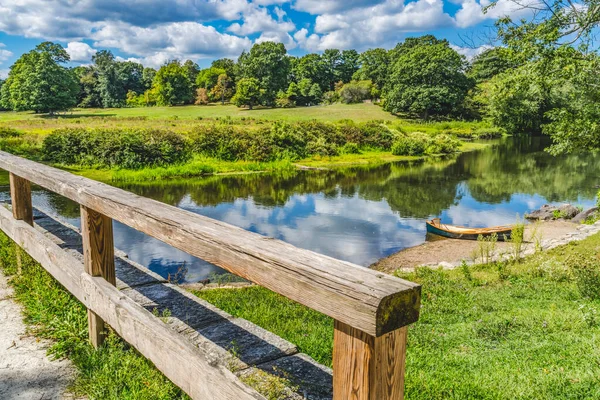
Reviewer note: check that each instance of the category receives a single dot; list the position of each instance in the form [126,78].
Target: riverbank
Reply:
[450,253]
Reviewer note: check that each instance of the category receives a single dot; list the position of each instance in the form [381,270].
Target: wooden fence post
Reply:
[20,194]
[367,367]
[99,260]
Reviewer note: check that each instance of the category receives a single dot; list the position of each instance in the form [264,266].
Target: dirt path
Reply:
[26,373]
[453,251]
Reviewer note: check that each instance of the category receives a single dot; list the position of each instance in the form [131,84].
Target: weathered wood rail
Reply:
[371,310]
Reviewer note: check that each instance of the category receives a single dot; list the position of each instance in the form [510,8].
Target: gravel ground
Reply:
[453,251]
[25,370]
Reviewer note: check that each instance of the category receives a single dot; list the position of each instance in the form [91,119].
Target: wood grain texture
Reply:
[20,194]
[371,301]
[98,244]
[183,363]
[366,367]
[98,260]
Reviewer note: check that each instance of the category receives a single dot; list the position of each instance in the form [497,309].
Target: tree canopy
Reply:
[37,81]
[426,78]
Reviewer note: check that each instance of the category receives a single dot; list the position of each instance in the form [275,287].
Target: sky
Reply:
[155,31]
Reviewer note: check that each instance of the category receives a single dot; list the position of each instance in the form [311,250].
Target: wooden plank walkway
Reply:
[232,342]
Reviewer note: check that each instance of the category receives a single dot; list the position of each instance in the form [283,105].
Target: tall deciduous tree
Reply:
[223,90]
[268,63]
[37,81]
[374,66]
[172,85]
[427,78]
[312,67]
[248,93]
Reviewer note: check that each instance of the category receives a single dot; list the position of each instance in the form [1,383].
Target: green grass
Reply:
[518,331]
[114,371]
[335,112]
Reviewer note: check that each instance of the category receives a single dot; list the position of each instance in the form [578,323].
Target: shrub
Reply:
[350,148]
[330,97]
[133,149]
[413,144]
[6,132]
[376,135]
[488,133]
[356,91]
[442,144]
[587,275]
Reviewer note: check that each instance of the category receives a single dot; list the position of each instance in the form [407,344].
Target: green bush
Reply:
[442,144]
[134,149]
[488,133]
[413,144]
[350,148]
[6,132]
[587,275]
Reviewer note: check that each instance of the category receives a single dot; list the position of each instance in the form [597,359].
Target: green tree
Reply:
[311,66]
[248,93]
[223,90]
[38,82]
[269,64]
[148,77]
[490,63]
[427,78]
[172,85]
[227,64]
[192,70]
[349,64]
[331,59]
[374,66]
[558,45]
[89,95]
[208,78]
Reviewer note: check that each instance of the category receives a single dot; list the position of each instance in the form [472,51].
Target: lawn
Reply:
[508,331]
[332,113]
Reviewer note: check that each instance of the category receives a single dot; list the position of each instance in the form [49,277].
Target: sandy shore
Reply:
[440,250]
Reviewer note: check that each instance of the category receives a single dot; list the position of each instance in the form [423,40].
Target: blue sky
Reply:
[154,31]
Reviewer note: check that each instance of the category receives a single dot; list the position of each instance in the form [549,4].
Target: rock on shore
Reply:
[548,212]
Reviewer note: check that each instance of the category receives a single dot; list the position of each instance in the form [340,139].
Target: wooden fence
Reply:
[371,310]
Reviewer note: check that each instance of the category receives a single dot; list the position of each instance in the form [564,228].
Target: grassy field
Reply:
[526,330]
[332,113]
[35,128]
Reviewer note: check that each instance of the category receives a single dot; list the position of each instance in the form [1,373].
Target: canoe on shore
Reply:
[436,227]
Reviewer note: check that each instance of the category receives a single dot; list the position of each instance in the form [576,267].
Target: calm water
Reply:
[361,214]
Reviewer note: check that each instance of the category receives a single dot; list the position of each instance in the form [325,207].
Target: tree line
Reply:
[422,76]
[543,78]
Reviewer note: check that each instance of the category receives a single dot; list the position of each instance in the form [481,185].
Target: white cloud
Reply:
[329,6]
[260,20]
[4,54]
[168,41]
[80,52]
[379,25]
[4,73]
[471,11]
[471,52]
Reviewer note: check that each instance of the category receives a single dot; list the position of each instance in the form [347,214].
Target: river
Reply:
[360,214]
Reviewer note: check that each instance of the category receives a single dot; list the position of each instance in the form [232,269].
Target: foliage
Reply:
[518,101]
[248,93]
[356,92]
[208,78]
[39,83]
[132,149]
[269,65]
[490,63]
[374,67]
[201,97]
[426,78]
[223,90]
[172,85]
[419,143]
[587,275]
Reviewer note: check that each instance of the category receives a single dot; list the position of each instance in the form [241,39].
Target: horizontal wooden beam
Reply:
[370,301]
[178,359]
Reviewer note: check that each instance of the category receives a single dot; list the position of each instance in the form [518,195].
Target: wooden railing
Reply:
[371,310]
